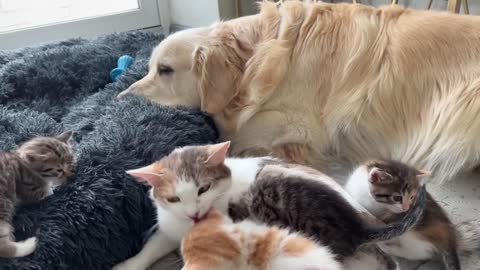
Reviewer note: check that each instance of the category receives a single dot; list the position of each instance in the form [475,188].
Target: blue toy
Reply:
[123,63]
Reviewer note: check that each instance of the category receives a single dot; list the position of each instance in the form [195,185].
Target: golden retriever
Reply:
[332,85]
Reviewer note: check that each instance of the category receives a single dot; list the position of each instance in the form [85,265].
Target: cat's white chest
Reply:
[173,227]
[409,246]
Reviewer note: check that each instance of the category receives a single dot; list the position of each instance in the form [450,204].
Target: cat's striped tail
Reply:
[395,229]
[468,236]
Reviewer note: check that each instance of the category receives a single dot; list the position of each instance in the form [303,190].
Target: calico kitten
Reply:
[289,198]
[25,175]
[386,189]
[186,184]
[216,243]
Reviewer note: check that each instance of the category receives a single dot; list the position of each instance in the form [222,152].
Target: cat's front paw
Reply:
[129,265]
[26,247]
[48,191]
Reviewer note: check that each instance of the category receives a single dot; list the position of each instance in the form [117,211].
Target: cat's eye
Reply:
[382,195]
[173,199]
[397,198]
[164,70]
[203,189]
[47,170]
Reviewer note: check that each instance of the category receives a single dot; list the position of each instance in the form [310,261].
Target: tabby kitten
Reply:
[387,189]
[286,197]
[216,243]
[25,176]
[51,157]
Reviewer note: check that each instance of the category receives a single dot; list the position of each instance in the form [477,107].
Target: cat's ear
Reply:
[379,176]
[32,156]
[422,175]
[147,174]
[65,136]
[217,153]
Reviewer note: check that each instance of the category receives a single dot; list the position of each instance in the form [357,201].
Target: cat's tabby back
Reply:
[25,177]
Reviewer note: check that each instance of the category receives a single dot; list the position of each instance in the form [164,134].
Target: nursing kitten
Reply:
[289,198]
[386,189]
[216,243]
[186,184]
[25,177]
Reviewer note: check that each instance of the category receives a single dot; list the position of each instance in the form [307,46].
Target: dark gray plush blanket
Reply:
[101,216]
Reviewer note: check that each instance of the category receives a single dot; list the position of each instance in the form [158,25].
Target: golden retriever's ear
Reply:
[216,80]
[219,66]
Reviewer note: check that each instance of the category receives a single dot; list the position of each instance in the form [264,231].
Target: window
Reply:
[25,22]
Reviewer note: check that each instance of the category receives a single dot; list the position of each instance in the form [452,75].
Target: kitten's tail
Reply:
[468,236]
[391,230]
[450,259]
[11,249]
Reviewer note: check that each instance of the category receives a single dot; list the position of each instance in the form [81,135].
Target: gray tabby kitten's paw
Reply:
[26,247]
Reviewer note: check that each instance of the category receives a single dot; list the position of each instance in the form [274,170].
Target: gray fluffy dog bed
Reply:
[101,216]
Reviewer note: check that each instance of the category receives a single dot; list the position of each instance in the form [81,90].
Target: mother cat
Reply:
[324,84]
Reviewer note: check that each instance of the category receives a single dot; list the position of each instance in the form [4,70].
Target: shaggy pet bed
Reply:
[101,216]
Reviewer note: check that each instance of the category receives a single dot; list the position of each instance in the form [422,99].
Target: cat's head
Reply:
[189,180]
[394,183]
[51,157]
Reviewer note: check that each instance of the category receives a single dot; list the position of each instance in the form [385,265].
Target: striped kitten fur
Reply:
[305,202]
[26,175]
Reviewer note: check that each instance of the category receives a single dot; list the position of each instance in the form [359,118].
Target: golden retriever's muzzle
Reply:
[129,90]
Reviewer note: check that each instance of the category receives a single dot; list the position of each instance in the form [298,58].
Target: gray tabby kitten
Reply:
[280,196]
[26,176]
[385,188]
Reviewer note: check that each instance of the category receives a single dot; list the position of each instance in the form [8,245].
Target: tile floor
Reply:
[461,198]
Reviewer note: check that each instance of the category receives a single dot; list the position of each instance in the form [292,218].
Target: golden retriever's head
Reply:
[197,68]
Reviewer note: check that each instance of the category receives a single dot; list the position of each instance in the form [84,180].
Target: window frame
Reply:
[147,16]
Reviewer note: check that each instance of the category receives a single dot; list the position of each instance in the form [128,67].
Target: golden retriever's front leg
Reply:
[254,152]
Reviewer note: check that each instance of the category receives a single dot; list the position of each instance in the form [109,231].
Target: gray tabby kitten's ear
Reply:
[65,136]
[379,176]
[422,176]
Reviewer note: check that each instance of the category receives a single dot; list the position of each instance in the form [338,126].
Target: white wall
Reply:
[193,13]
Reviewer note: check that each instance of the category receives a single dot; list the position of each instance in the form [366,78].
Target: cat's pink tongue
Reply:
[197,218]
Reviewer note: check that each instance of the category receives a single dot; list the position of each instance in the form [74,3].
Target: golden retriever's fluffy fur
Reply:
[332,85]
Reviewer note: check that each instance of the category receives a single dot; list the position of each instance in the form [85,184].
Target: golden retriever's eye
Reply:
[164,70]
